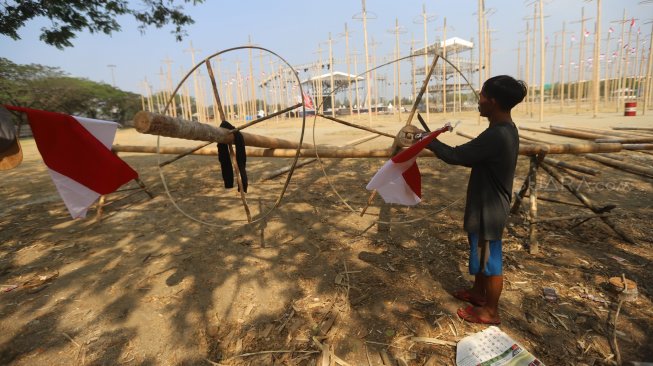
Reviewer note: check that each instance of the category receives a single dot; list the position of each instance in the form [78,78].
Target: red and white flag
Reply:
[77,152]
[399,179]
[308,102]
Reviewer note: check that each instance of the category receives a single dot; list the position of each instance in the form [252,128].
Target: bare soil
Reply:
[146,285]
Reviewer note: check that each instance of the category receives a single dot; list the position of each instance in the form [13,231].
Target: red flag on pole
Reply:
[399,179]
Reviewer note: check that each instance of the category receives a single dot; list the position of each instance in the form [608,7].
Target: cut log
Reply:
[621,165]
[161,125]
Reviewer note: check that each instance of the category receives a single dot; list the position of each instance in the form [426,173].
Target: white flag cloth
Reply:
[399,180]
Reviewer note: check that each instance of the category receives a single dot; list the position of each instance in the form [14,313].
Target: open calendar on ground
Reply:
[492,347]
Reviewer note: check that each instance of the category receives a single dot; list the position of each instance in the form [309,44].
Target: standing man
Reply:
[493,158]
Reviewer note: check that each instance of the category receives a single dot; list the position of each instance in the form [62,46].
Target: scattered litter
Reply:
[493,347]
[550,294]
[617,258]
[594,298]
[8,288]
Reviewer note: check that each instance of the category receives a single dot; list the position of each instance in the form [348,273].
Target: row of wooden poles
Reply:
[241,95]
[617,79]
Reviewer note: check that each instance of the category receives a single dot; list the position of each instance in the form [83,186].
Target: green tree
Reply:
[70,17]
[47,88]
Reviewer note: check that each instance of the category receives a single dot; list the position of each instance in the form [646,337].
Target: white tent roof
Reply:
[453,45]
[337,77]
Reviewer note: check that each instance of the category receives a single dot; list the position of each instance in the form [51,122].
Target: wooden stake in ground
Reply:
[533,245]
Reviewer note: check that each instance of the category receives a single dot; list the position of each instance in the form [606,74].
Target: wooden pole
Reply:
[647,81]
[157,124]
[280,171]
[596,64]
[369,129]
[367,68]
[606,83]
[542,62]
[553,66]
[347,60]
[332,84]
[621,63]
[533,245]
[562,68]
[288,149]
[444,68]
[563,164]
[529,94]
[426,61]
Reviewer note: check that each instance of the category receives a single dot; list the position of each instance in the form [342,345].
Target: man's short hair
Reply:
[506,90]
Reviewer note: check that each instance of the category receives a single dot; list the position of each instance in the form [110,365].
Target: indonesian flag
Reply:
[308,102]
[399,179]
[77,152]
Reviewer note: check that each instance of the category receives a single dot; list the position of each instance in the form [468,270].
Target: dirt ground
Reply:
[147,285]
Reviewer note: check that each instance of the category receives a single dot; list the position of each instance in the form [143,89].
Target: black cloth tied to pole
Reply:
[225,159]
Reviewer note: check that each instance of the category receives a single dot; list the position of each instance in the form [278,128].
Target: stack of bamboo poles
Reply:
[597,146]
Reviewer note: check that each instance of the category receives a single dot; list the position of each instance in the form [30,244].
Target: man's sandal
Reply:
[469,315]
[466,295]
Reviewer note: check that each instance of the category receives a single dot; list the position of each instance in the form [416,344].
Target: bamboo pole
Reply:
[270,149]
[367,67]
[596,64]
[606,83]
[649,66]
[369,129]
[444,68]
[627,140]
[620,70]
[347,60]
[426,63]
[285,169]
[578,168]
[585,201]
[332,85]
[542,62]
[621,165]
[533,245]
[562,69]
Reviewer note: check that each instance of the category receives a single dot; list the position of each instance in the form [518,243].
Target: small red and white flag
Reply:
[308,102]
[399,180]
[77,152]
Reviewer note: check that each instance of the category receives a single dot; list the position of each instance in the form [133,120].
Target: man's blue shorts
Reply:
[490,264]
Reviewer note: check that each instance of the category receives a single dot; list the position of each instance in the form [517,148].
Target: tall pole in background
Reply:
[562,67]
[397,69]
[347,60]
[647,83]
[597,63]
[542,63]
[113,76]
[444,68]
[367,67]
[481,12]
[333,89]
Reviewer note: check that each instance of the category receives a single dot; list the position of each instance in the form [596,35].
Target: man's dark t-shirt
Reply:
[492,155]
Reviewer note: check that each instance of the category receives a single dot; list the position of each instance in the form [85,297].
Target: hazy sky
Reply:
[295,29]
